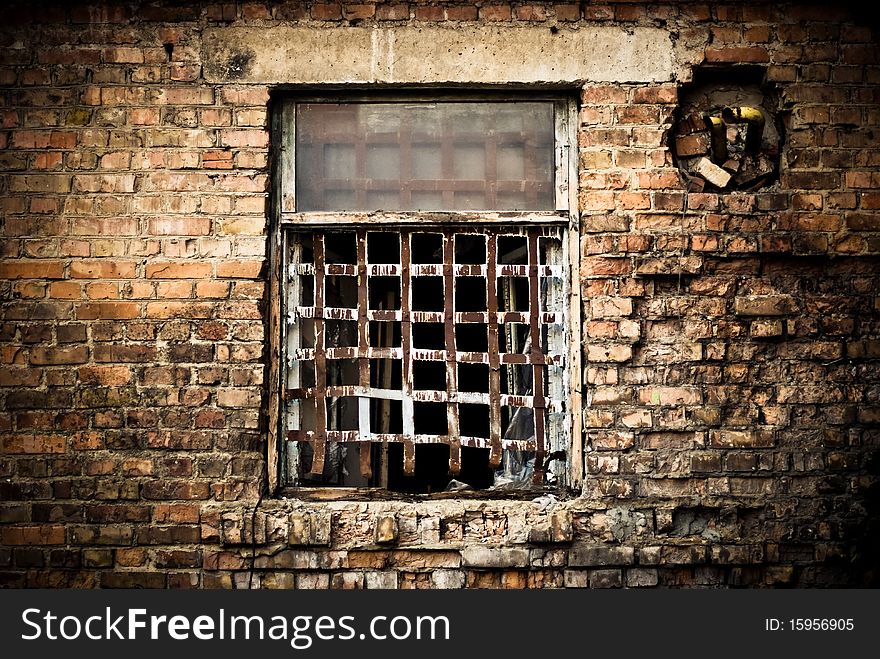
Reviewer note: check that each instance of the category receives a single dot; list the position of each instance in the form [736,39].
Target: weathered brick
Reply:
[32,535]
[670,395]
[765,305]
[102,269]
[741,438]
[737,55]
[592,556]
[177,270]
[31,269]
[107,311]
[494,557]
[309,529]
[58,356]
[27,443]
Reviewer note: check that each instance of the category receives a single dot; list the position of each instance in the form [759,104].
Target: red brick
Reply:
[212,289]
[217,159]
[179,310]
[741,438]
[102,269]
[121,55]
[105,375]
[179,226]
[692,145]
[102,290]
[175,513]
[605,266]
[108,311]
[734,55]
[168,489]
[174,289]
[32,535]
[177,270]
[66,290]
[495,13]
[57,356]
[103,183]
[659,180]
[530,13]
[430,13]
[19,377]
[461,13]
[49,160]
[244,138]
[358,11]
[77,56]
[569,12]
[665,94]
[637,114]
[326,11]
[33,443]
[189,95]
[240,269]
[392,12]
[255,10]
[38,269]
[670,396]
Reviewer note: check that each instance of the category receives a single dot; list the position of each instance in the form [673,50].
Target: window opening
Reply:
[425,272]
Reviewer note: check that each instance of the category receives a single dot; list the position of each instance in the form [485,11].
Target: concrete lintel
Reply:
[436,55]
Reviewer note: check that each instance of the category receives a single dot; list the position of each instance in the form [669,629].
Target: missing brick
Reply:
[728,135]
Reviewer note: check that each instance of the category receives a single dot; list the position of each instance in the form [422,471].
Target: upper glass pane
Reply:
[425,156]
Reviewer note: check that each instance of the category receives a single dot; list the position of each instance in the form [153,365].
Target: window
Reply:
[424,257]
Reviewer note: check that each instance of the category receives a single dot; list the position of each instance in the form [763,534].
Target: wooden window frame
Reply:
[286,218]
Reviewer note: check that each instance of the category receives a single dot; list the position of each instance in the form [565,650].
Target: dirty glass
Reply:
[425,156]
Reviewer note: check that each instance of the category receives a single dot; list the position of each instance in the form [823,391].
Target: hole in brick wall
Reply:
[728,132]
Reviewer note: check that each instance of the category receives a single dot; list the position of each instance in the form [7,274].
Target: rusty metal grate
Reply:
[424,336]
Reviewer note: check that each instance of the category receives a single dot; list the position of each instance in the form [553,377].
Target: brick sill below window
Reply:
[378,494]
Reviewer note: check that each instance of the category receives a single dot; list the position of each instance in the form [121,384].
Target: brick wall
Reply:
[731,341]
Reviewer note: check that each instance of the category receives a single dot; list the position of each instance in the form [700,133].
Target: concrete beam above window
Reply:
[437,55]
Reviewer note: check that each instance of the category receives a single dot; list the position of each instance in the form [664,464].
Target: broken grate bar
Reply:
[354,437]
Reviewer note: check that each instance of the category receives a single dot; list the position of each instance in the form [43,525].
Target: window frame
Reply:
[285,217]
